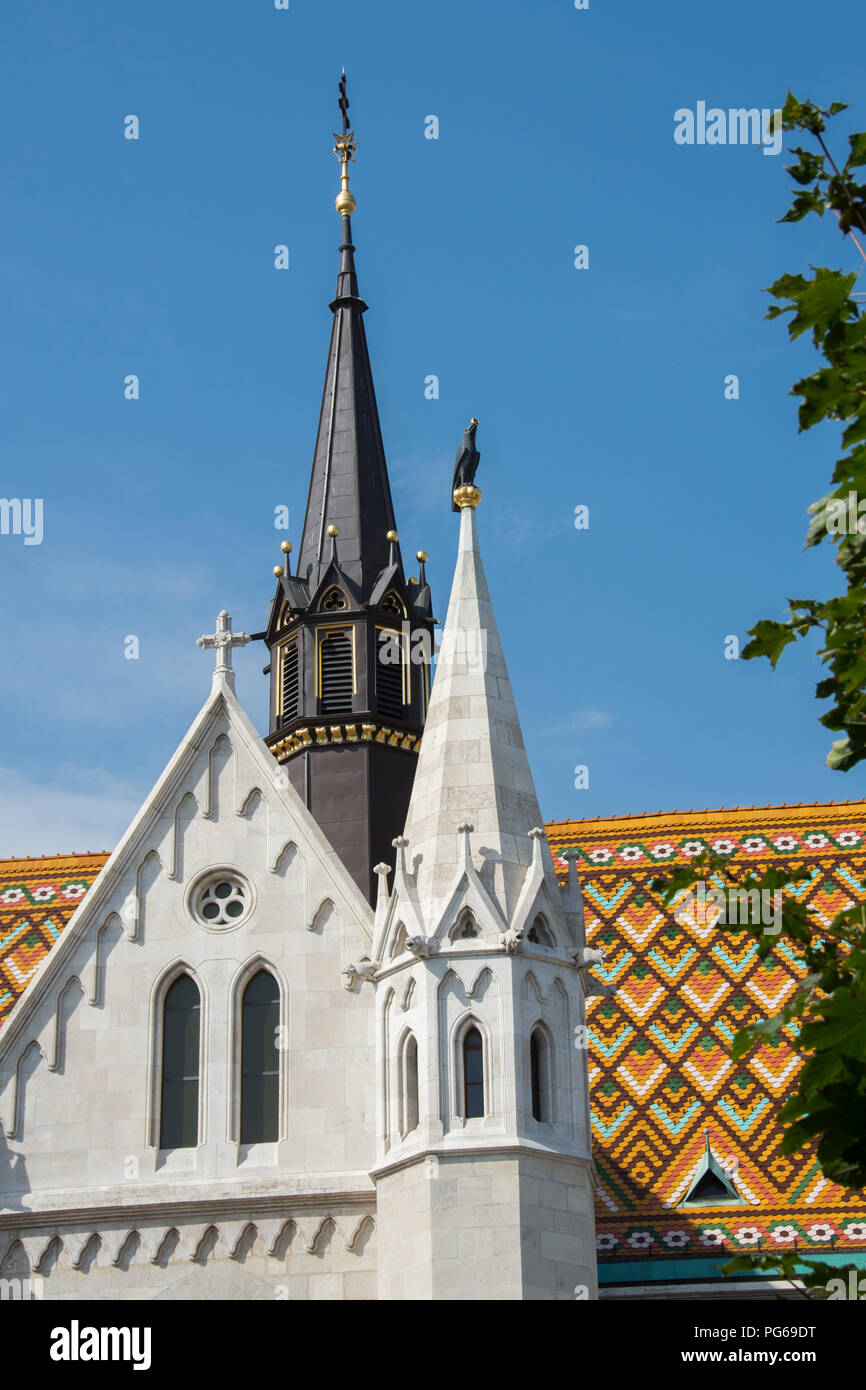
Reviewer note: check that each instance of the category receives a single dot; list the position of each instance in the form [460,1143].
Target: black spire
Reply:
[350,636]
[349,485]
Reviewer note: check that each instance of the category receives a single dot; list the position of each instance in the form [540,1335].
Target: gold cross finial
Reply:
[345,150]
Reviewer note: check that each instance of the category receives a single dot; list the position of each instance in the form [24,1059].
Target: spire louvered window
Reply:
[289,683]
[336,668]
[389,676]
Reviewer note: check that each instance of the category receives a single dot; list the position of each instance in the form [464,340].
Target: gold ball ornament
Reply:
[422,557]
[286,547]
[333,530]
[278,571]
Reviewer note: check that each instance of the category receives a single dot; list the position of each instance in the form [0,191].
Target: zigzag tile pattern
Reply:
[659,1070]
[660,1074]
[37,899]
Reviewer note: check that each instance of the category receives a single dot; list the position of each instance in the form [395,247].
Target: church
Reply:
[340,1018]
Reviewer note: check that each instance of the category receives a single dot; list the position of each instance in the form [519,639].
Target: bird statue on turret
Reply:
[466,462]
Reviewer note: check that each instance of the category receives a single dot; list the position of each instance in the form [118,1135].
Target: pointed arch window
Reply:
[336,672]
[409,1085]
[181,1035]
[539,1072]
[539,933]
[260,1060]
[473,1074]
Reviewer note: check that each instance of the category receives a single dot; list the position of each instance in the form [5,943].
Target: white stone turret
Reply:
[483,1175]
[473,766]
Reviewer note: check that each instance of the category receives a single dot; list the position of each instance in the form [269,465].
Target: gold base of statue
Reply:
[467,496]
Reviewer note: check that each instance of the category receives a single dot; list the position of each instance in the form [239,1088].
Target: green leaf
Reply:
[841,756]
[858,149]
[804,203]
[820,1070]
[769,639]
[825,1018]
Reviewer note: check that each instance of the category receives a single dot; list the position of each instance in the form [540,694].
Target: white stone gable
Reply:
[79,1055]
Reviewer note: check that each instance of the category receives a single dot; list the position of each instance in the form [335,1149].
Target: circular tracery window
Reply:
[221,901]
[334,599]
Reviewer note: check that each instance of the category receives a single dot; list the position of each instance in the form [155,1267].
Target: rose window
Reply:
[221,902]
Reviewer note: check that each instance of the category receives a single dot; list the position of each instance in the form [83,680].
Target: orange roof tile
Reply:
[660,1074]
[37,898]
[659,1068]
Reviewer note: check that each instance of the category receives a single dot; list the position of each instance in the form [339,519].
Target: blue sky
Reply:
[602,387]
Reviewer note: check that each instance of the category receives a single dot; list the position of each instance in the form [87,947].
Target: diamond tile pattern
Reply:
[660,1074]
[37,899]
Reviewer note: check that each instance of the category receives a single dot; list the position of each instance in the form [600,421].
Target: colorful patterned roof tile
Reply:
[37,899]
[660,1074]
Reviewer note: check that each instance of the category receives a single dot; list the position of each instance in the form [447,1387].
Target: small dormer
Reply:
[333,600]
[392,603]
[711,1185]
[466,928]
[539,933]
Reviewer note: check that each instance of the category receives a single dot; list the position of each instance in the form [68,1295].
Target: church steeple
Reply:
[350,635]
[478,957]
[473,721]
[349,485]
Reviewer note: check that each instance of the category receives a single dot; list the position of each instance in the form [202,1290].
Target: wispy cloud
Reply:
[583,721]
[422,484]
[79,672]
[74,811]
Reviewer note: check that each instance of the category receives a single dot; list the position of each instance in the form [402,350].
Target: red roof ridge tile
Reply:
[62,854]
[710,811]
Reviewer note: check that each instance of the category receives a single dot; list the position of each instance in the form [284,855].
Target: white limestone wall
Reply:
[557,1220]
[330,1257]
[486,1227]
[449,1228]
[505,996]
[405,1235]
[500,1206]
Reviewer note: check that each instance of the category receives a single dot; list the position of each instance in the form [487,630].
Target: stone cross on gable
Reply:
[223,640]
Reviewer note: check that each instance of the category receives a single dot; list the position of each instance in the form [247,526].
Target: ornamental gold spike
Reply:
[344,151]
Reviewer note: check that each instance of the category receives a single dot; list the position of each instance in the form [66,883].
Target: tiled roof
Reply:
[660,1075]
[37,899]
